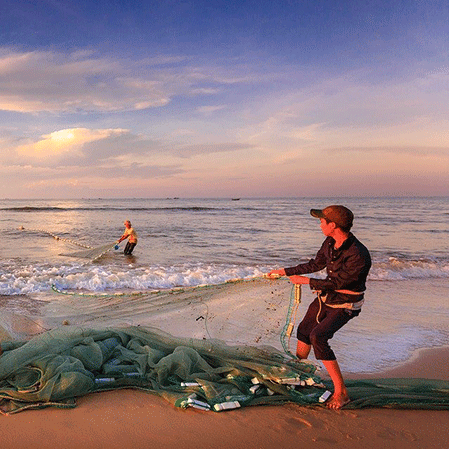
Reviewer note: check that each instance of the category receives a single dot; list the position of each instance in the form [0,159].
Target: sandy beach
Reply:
[135,419]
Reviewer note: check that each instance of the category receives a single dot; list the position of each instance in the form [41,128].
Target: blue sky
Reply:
[218,99]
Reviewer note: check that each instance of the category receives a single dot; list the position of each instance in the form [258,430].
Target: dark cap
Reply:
[340,215]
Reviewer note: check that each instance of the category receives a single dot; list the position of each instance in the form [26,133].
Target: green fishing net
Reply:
[214,348]
[55,367]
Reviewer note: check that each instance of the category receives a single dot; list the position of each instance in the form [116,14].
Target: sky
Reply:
[219,98]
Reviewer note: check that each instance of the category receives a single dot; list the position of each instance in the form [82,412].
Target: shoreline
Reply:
[437,358]
[132,418]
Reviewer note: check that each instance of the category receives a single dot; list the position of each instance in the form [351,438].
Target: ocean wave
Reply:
[395,269]
[18,279]
[34,209]
[37,279]
[103,209]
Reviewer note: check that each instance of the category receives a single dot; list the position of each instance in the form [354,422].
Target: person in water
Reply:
[131,235]
[339,296]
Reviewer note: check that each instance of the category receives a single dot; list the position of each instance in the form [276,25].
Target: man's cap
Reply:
[340,215]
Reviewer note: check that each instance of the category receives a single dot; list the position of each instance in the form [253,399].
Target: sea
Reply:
[188,242]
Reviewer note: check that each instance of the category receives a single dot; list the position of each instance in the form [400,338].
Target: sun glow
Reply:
[62,136]
[65,141]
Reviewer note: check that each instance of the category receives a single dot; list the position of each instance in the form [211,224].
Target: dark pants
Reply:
[129,248]
[317,334]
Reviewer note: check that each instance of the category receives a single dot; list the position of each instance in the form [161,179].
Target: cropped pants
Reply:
[319,326]
[129,248]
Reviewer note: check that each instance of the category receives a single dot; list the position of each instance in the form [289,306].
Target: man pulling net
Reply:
[339,296]
[131,235]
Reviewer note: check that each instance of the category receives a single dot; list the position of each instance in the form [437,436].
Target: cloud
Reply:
[106,148]
[207,110]
[418,151]
[353,111]
[193,150]
[55,82]
[52,148]
[205,90]
[28,178]
[275,123]
[46,81]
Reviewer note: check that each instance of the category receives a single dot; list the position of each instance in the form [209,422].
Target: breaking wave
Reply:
[18,279]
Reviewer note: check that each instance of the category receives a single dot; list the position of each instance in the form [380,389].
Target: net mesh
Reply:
[57,366]
[250,312]
[91,253]
[88,252]
[211,347]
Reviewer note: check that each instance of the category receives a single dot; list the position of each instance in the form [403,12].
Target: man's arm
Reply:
[294,273]
[302,280]
[123,237]
[313,265]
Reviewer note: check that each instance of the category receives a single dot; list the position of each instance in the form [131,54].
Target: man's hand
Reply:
[295,279]
[275,274]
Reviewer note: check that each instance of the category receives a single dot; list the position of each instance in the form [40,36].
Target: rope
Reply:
[295,300]
[56,237]
[73,242]
[97,295]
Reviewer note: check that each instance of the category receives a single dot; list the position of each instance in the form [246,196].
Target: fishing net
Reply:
[88,252]
[55,367]
[91,253]
[251,312]
[211,347]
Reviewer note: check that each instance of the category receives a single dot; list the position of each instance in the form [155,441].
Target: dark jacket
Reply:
[347,269]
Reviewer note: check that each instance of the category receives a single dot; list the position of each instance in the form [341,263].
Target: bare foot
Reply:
[336,402]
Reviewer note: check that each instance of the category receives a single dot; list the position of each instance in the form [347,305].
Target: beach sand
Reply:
[137,419]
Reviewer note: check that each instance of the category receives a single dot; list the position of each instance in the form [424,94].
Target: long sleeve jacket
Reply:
[346,267]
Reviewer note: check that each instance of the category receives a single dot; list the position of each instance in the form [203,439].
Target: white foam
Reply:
[26,279]
[396,269]
[15,279]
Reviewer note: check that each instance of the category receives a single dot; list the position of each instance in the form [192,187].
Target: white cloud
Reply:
[45,81]
[66,141]
[281,131]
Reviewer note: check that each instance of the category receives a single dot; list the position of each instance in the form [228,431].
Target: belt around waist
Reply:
[347,305]
[349,292]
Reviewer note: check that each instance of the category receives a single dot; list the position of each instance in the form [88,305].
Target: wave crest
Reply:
[395,269]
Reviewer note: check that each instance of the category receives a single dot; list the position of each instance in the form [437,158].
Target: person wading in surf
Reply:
[131,235]
[339,296]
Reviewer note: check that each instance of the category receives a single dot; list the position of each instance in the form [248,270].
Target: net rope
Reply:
[89,252]
[56,237]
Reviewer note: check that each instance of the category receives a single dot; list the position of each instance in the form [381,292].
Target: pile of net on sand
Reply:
[55,367]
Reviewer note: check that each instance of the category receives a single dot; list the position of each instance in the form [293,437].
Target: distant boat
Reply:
[235,199]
